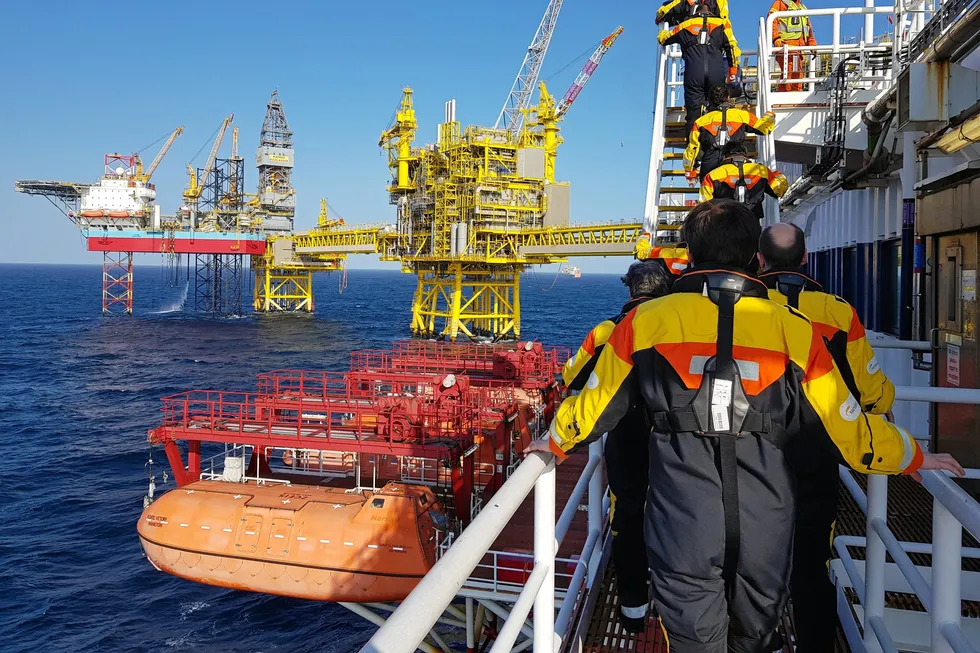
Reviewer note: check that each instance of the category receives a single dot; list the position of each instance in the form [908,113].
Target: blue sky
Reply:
[82,79]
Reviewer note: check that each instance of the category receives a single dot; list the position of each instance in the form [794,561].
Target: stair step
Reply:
[672,173]
[680,190]
[677,209]
[669,227]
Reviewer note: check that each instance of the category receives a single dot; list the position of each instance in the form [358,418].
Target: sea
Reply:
[78,392]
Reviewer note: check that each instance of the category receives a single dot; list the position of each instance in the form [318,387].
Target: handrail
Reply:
[409,624]
[953,510]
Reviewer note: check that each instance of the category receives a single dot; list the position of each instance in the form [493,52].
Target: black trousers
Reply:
[814,596]
[709,161]
[626,455]
[699,77]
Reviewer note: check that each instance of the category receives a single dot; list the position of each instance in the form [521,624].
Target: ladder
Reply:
[669,196]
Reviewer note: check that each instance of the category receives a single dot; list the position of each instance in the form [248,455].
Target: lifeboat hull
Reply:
[300,541]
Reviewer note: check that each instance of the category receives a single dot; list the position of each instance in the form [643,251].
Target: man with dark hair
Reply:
[710,54]
[626,453]
[782,251]
[742,179]
[723,124]
[730,380]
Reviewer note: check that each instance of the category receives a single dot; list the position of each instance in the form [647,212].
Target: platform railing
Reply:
[407,627]
[953,510]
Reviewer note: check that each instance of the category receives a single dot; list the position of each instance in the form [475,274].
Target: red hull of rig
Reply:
[449,418]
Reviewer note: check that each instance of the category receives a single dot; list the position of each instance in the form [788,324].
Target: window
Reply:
[378,503]
[890,286]
[822,268]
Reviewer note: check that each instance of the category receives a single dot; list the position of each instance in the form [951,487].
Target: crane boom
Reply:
[162,153]
[511,116]
[194,189]
[583,77]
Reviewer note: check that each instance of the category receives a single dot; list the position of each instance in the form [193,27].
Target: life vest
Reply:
[795,27]
[720,409]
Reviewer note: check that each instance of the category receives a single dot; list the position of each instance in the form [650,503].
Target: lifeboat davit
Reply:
[307,542]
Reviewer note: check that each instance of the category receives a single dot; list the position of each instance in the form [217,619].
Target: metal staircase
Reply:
[669,195]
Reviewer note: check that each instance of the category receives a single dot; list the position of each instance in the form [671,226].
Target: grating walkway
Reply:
[605,633]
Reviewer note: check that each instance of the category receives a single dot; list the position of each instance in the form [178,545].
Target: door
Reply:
[955,429]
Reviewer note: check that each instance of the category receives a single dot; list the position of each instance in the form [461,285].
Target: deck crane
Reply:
[586,73]
[145,176]
[518,100]
[193,192]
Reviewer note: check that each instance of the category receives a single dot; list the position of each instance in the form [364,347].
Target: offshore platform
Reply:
[473,211]
[206,241]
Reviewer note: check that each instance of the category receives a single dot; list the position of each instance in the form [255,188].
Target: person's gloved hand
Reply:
[771,115]
[691,176]
[732,74]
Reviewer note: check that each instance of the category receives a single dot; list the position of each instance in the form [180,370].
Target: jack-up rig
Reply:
[474,210]
[216,227]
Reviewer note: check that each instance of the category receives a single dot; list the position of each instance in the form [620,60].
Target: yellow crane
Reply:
[145,176]
[193,192]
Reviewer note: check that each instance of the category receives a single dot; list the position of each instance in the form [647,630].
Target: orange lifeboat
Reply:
[307,542]
[92,214]
[118,214]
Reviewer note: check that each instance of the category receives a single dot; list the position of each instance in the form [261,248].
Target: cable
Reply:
[205,144]
[573,61]
[154,142]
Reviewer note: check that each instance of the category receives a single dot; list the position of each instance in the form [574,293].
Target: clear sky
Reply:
[83,78]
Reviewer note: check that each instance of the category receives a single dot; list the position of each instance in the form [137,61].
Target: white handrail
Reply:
[953,510]
[410,623]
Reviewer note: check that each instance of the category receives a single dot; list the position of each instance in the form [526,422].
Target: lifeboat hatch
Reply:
[279,537]
[247,540]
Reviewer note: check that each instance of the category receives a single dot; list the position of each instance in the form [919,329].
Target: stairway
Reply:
[669,195]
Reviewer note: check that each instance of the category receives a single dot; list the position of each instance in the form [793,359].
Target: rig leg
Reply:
[117,282]
[283,290]
[471,299]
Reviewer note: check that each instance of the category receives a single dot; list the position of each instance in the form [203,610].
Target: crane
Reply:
[583,77]
[194,190]
[512,115]
[145,176]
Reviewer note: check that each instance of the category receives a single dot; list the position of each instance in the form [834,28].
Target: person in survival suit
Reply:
[729,379]
[674,257]
[625,452]
[714,130]
[710,54]
[742,179]
[675,12]
[782,250]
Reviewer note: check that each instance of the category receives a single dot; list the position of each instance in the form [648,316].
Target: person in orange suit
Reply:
[791,31]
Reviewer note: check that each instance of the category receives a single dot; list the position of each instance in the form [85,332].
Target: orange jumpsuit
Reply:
[792,32]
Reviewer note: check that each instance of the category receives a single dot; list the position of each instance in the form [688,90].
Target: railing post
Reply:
[874,566]
[544,554]
[947,540]
[596,492]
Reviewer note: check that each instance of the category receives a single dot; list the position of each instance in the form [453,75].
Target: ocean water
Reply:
[78,392]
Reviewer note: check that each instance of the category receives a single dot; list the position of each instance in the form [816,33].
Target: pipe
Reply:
[954,122]
[856,176]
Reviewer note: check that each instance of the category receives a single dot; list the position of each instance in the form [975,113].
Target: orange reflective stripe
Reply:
[621,339]
[819,362]
[759,368]
[856,332]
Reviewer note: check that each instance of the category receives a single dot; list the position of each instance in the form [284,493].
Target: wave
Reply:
[177,306]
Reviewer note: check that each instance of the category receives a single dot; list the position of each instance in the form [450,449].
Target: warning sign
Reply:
[952,365]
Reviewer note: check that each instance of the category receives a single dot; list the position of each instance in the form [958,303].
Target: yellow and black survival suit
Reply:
[815,459]
[674,258]
[745,181]
[729,379]
[709,49]
[715,129]
[626,453]
[675,12]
